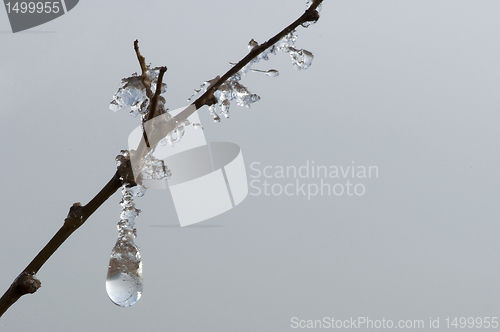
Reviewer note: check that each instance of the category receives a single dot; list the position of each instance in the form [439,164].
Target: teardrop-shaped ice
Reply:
[124,280]
[301,59]
[272,73]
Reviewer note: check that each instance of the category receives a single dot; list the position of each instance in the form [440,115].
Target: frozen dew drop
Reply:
[114,106]
[307,24]
[301,59]
[213,112]
[225,104]
[124,281]
[138,190]
[272,73]
[252,44]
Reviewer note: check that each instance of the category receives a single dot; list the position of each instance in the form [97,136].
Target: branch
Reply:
[154,111]
[311,14]
[144,70]
[26,282]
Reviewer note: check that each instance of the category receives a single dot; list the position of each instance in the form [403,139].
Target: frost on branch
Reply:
[132,94]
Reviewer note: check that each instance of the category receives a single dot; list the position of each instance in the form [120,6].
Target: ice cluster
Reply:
[233,90]
[133,93]
[154,168]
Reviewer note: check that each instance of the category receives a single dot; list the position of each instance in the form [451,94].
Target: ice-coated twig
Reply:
[310,15]
[208,97]
[26,282]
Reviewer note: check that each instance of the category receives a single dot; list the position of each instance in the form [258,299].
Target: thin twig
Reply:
[144,70]
[154,111]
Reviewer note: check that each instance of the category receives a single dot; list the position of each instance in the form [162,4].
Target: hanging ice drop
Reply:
[270,72]
[124,280]
[301,59]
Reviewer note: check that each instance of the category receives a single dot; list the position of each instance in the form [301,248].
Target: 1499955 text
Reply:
[33,7]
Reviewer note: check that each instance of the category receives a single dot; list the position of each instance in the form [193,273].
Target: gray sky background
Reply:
[411,87]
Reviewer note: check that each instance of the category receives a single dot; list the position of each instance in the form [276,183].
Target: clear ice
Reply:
[154,168]
[301,59]
[132,93]
[124,279]
[233,90]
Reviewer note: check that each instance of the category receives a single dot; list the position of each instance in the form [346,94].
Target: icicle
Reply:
[124,282]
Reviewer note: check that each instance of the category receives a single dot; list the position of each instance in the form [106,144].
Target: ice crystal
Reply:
[154,168]
[132,93]
[176,135]
[301,59]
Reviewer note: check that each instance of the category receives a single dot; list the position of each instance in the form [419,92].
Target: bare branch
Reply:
[26,282]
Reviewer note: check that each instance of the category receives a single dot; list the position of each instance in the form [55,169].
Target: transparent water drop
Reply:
[225,104]
[137,191]
[124,281]
[213,112]
[270,72]
[308,24]
[301,59]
